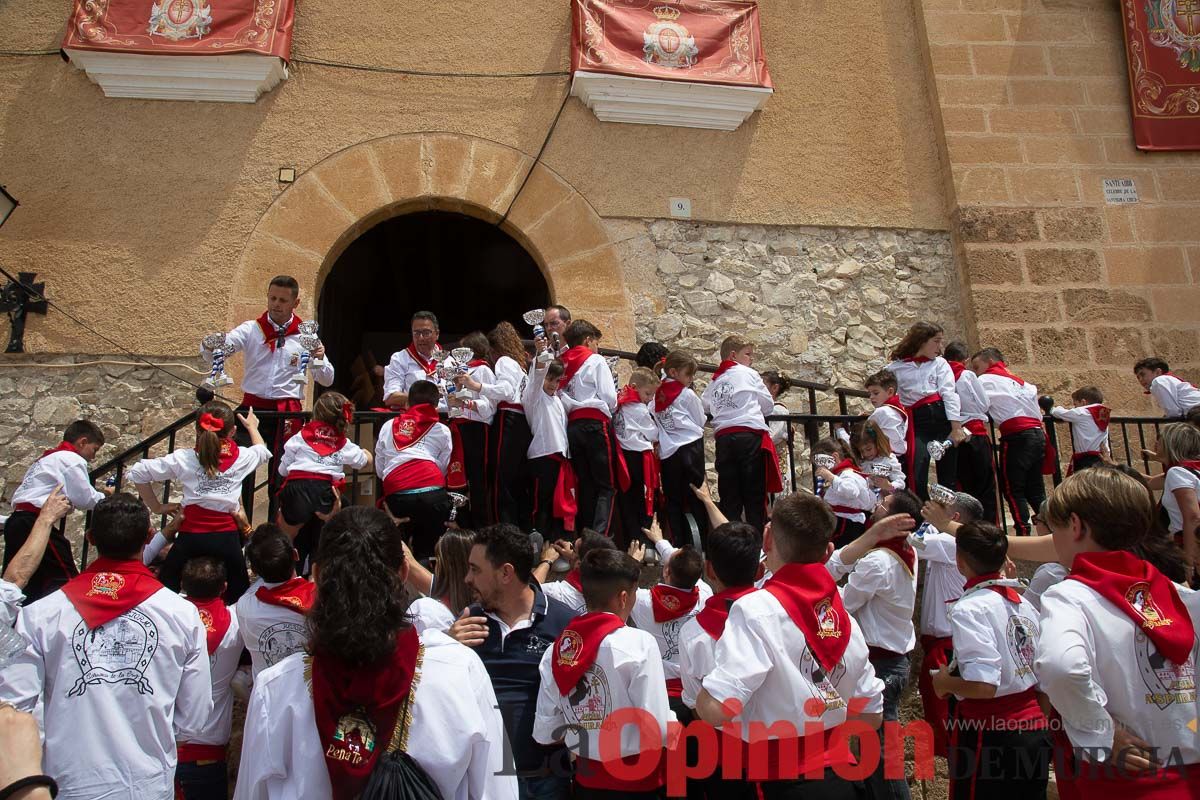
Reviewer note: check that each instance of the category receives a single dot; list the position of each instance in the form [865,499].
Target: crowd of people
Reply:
[423,649]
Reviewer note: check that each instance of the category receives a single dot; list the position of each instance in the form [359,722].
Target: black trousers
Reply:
[544,472]
[931,425]
[631,504]
[847,531]
[680,472]
[200,781]
[512,498]
[977,474]
[226,546]
[474,437]
[742,477]
[593,457]
[299,502]
[584,793]
[1021,482]
[427,514]
[58,563]
[829,787]
[275,434]
[714,787]
[999,765]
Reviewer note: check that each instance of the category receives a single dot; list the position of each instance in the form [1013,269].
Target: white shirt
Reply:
[482,409]
[1008,399]
[634,426]
[763,661]
[1178,478]
[1176,396]
[894,424]
[972,397]
[222,665]
[113,697]
[680,423]
[1098,669]
[456,735]
[566,594]
[591,387]
[881,594]
[62,467]
[434,446]
[11,598]
[738,399]
[895,473]
[221,492]
[995,641]
[1086,436]
[428,613]
[268,373]
[915,382]
[627,673]
[547,417]
[778,428]
[508,384]
[299,457]
[271,633]
[1045,576]
[668,635]
[402,372]
[850,490]
[943,581]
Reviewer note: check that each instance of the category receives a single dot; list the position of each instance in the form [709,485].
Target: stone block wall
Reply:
[1033,100]
[821,303]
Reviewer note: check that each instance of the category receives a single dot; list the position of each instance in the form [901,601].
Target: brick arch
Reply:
[311,223]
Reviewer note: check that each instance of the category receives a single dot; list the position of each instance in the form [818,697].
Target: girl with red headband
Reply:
[211,476]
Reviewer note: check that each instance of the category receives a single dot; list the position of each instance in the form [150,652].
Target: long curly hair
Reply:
[360,597]
[506,341]
[915,339]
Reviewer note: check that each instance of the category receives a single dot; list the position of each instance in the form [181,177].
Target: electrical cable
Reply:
[321,62]
[537,159]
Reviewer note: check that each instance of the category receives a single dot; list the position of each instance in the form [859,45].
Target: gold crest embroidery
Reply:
[1139,599]
[827,621]
[107,584]
[207,619]
[570,648]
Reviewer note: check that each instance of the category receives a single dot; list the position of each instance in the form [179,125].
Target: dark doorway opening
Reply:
[468,272]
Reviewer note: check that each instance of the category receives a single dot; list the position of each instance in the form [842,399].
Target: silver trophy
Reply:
[942,495]
[461,356]
[215,344]
[823,461]
[535,318]
[457,501]
[310,342]
[880,471]
[939,449]
[612,362]
[917,537]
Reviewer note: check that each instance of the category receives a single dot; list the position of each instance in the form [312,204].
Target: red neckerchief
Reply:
[62,447]
[572,580]
[576,647]
[216,618]
[108,588]
[917,360]
[668,390]
[1100,414]
[957,367]
[715,613]
[1007,592]
[411,426]
[810,597]
[846,464]
[1001,369]
[323,438]
[723,367]
[229,454]
[356,708]
[427,364]
[271,336]
[477,362]
[671,603]
[903,549]
[627,395]
[1144,595]
[572,360]
[1192,465]
[894,401]
[294,594]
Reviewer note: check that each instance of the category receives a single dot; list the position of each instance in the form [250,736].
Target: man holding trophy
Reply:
[417,362]
[279,351]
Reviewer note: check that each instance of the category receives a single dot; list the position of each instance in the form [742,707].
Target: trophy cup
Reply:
[917,537]
[461,356]
[457,501]
[880,471]
[535,318]
[939,449]
[823,461]
[310,342]
[942,495]
[612,362]
[215,344]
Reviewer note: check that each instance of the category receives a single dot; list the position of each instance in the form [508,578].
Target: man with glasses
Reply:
[413,363]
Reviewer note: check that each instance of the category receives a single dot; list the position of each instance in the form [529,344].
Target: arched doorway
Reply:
[469,272]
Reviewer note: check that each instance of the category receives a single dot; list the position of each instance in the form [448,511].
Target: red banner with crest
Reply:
[1162,43]
[182,27]
[700,41]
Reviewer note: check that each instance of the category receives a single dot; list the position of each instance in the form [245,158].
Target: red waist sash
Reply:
[587,413]
[997,711]
[189,752]
[198,519]
[416,474]
[595,775]
[29,507]
[1019,425]
[927,400]
[976,427]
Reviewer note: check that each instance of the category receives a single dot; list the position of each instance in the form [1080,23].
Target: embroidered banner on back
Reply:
[701,41]
[182,27]
[1162,42]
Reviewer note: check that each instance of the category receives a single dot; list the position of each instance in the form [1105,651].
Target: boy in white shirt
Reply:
[202,773]
[845,490]
[976,464]
[555,504]
[1089,427]
[791,653]
[1175,396]
[891,416]
[26,561]
[599,665]
[680,417]
[995,635]
[747,464]
[637,435]
[63,466]
[118,666]
[471,415]
[271,616]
